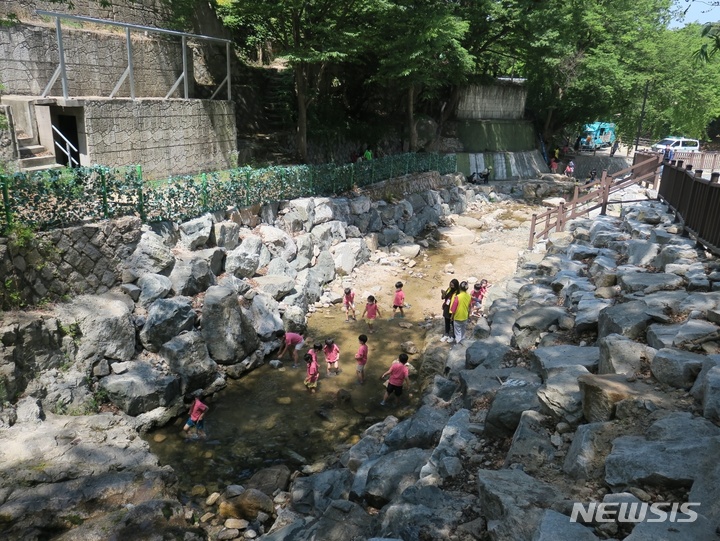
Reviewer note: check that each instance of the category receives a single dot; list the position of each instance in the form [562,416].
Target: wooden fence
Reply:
[705,161]
[596,195]
[694,200]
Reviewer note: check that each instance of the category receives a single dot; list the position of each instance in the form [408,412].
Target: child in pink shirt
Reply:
[313,373]
[371,312]
[349,304]
[399,299]
[398,373]
[361,358]
[292,340]
[478,294]
[197,417]
[332,356]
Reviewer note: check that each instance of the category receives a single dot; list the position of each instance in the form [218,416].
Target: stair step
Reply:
[25,140]
[31,151]
[37,161]
[41,168]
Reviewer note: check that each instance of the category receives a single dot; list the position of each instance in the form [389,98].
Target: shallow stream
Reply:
[268,417]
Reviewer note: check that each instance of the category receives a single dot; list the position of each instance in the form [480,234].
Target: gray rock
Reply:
[422,430]
[555,526]
[455,439]
[229,336]
[531,444]
[226,234]
[586,457]
[141,389]
[341,520]
[671,453]
[195,233]
[698,389]
[545,359]
[676,367]
[641,252]
[150,256]
[701,528]
[370,445]
[513,503]
[153,287]
[392,473]
[314,493]
[485,353]
[686,334]
[588,312]
[711,395]
[244,261]
[278,242]
[511,400]
[263,315]
[560,396]
[628,319]
[541,318]
[105,327]
[188,357]
[276,286]
[278,266]
[649,282]
[328,234]
[191,275]
[350,254]
[166,319]
[620,355]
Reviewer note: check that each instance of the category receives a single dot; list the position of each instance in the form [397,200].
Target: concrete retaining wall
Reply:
[505,165]
[500,101]
[95,61]
[166,137]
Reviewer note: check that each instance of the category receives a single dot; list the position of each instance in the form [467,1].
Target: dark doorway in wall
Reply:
[67,142]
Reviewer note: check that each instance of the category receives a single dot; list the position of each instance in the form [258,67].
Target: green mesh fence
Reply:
[63,197]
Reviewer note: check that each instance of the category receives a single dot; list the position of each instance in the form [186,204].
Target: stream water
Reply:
[268,417]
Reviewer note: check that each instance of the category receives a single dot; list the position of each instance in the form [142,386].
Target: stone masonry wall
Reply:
[95,61]
[166,137]
[501,101]
[65,262]
[157,13]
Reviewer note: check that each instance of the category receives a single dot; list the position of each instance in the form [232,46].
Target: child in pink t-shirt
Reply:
[332,356]
[398,373]
[197,417]
[349,304]
[371,312]
[361,358]
[399,299]
[478,294]
[313,372]
[291,340]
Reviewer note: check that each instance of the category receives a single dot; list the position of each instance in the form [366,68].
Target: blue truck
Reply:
[597,135]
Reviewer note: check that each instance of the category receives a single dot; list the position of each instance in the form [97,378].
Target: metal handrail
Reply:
[68,146]
[61,70]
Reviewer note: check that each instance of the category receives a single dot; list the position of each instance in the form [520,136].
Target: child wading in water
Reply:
[313,373]
[198,409]
[371,313]
[332,356]
[349,304]
[291,340]
[399,299]
[398,373]
[361,358]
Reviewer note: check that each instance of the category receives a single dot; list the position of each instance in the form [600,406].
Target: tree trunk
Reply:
[301,133]
[411,118]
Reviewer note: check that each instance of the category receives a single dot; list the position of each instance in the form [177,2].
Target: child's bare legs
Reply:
[294,358]
[370,326]
[360,374]
[402,313]
[328,369]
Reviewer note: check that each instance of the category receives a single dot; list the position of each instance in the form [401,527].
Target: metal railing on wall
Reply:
[128,74]
[694,200]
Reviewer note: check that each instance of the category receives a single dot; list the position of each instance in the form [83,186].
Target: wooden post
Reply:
[605,191]
[532,231]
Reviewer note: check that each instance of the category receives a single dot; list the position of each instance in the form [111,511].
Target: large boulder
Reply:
[141,388]
[392,473]
[245,260]
[166,319]
[188,357]
[278,242]
[150,256]
[229,336]
[153,287]
[191,275]
[422,430]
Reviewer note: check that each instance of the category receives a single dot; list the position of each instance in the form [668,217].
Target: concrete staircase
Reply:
[34,157]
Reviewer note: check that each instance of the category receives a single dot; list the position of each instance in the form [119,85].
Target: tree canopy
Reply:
[583,60]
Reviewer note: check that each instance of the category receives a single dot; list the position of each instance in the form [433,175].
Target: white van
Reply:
[678,144]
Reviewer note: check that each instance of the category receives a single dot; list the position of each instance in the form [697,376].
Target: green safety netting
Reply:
[63,197]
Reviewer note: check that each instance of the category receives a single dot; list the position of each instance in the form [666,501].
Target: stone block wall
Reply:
[500,101]
[156,13]
[65,262]
[95,61]
[8,146]
[166,137]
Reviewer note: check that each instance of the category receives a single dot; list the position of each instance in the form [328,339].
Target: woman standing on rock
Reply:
[460,309]
[447,296]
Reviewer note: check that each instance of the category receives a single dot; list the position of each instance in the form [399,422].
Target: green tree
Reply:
[311,35]
[425,52]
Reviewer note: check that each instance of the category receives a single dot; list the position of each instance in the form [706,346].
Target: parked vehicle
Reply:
[598,135]
[678,144]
